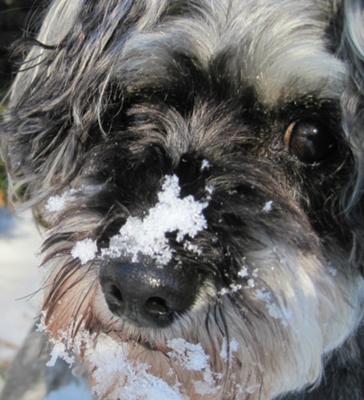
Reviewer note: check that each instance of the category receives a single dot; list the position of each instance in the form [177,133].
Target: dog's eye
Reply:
[309,141]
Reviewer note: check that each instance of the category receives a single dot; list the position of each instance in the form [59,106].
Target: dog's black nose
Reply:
[147,295]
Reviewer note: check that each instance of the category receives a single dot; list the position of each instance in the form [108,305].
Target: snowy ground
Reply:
[19,280]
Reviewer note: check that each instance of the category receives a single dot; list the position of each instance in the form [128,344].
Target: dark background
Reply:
[16,18]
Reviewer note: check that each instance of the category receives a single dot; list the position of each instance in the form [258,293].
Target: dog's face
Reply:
[198,167]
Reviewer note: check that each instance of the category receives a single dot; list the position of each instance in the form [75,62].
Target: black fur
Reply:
[84,116]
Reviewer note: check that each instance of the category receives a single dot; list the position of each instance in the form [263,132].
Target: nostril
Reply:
[114,298]
[116,293]
[157,307]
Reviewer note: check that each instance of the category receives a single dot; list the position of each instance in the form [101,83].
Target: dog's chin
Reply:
[144,367]
[282,322]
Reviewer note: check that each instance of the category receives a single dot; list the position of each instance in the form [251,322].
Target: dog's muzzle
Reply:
[148,295]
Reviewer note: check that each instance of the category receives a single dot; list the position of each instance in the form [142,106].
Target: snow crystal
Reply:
[243,273]
[210,190]
[205,165]
[148,235]
[224,291]
[232,288]
[268,207]
[234,345]
[251,283]
[235,287]
[111,362]
[58,203]
[206,386]
[274,310]
[85,250]
[149,387]
[41,325]
[55,203]
[193,248]
[59,351]
[193,357]
[233,348]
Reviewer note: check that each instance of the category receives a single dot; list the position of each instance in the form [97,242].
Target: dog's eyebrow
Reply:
[177,78]
[178,74]
[310,104]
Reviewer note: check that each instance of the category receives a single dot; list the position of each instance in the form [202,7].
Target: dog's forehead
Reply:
[279,47]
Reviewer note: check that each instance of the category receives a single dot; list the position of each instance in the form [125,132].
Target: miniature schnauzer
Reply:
[198,167]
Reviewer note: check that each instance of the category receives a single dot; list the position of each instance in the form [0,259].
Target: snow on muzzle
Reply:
[139,281]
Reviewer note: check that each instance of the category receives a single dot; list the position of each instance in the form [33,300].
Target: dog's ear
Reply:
[33,126]
[350,20]
[59,93]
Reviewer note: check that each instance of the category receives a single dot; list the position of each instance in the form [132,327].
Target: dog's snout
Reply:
[147,295]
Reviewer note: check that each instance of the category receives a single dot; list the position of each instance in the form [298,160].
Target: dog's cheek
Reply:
[69,302]
[297,302]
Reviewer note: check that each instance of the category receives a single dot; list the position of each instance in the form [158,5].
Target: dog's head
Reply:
[198,165]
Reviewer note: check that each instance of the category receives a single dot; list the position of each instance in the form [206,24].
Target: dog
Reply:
[198,169]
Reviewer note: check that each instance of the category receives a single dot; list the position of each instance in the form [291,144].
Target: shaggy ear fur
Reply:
[32,127]
[352,101]
[57,99]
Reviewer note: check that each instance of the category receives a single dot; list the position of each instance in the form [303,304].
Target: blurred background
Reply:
[19,238]
[15,19]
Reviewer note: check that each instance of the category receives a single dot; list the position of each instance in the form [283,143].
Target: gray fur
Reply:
[119,94]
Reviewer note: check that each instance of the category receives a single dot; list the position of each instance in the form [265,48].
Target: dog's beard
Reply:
[288,309]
